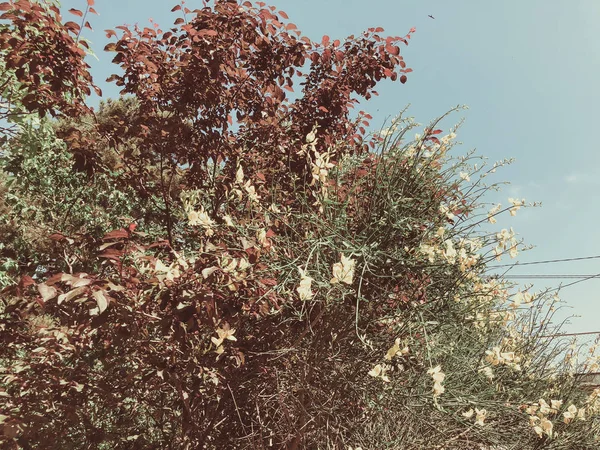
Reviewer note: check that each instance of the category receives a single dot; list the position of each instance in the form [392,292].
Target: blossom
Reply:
[516,205]
[395,349]
[166,272]
[223,333]
[465,176]
[343,271]
[545,426]
[304,289]
[379,372]
[480,415]
[429,251]
[438,377]
[450,252]
[228,220]
[570,413]
[239,175]
[492,212]
[468,414]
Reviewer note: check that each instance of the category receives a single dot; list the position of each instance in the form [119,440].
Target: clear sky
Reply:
[528,70]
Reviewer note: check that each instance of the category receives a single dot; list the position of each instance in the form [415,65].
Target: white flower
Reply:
[468,414]
[465,176]
[228,220]
[343,271]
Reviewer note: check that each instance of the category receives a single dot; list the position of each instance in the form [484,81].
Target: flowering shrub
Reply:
[303,291]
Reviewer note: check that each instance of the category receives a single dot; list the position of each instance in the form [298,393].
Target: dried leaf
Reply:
[47,292]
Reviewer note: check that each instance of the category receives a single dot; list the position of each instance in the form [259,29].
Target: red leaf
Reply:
[325,40]
[90,2]
[412,30]
[110,33]
[178,21]
[6,6]
[87,25]
[76,12]
[283,14]
[132,227]
[57,236]
[379,30]
[93,11]
[290,26]
[403,79]
[176,8]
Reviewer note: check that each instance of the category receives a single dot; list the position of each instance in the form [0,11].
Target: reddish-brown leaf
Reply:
[90,2]
[76,12]
[116,234]
[403,79]
[283,14]
[176,8]
[110,33]
[325,41]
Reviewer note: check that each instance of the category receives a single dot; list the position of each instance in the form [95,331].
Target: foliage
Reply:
[280,279]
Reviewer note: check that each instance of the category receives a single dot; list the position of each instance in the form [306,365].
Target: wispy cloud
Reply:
[581,178]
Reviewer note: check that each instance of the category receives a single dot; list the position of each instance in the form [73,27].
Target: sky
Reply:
[527,71]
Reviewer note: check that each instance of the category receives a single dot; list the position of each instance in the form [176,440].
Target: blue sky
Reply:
[528,72]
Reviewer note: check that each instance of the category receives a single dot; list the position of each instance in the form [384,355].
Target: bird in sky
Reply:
[431,16]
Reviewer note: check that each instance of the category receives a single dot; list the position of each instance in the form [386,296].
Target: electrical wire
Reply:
[545,262]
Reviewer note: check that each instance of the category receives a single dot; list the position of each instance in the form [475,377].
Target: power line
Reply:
[548,276]
[570,334]
[545,262]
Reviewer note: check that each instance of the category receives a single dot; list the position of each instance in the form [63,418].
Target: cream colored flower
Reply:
[480,415]
[228,221]
[239,175]
[379,372]
[395,349]
[170,273]
[343,271]
[304,289]
[223,333]
[450,252]
[468,414]
[438,378]
[516,205]
[570,413]
[465,176]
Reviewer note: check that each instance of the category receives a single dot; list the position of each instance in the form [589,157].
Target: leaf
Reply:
[87,25]
[325,41]
[75,281]
[109,34]
[209,271]
[47,292]
[6,6]
[176,8]
[116,234]
[90,2]
[403,79]
[101,301]
[76,12]
[283,14]
[71,294]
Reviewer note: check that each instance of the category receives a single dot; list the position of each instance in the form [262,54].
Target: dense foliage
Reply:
[208,263]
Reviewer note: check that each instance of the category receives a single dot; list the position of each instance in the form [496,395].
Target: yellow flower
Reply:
[343,271]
